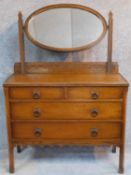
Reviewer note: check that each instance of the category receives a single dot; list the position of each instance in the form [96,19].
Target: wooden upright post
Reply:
[21,42]
[110,39]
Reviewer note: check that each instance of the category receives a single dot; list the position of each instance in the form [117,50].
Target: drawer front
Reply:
[37,93]
[95,93]
[92,110]
[66,130]
[72,93]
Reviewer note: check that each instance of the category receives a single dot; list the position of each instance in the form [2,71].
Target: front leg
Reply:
[11,158]
[121,160]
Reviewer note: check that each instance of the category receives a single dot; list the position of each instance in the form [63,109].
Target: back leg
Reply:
[114,149]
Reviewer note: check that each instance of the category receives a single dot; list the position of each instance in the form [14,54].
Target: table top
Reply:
[66,79]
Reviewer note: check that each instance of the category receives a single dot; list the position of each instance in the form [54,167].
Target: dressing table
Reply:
[66,103]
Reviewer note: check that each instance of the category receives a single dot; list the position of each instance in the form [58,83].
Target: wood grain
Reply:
[21,42]
[68,80]
[9,131]
[76,6]
[67,130]
[66,103]
[55,93]
[122,146]
[44,93]
[110,40]
[67,111]
[65,67]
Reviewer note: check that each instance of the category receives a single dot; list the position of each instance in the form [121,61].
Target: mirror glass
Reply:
[64,28]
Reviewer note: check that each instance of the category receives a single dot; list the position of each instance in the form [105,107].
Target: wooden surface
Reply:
[67,130]
[65,67]
[21,42]
[66,110]
[110,43]
[122,145]
[9,131]
[76,6]
[68,103]
[44,93]
[66,79]
[70,93]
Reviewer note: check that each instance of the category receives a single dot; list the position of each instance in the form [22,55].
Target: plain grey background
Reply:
[9,51]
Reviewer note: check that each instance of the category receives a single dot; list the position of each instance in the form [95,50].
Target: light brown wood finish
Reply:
[95,93]
[66,130]
[37,93]
[122,145]
[110,38]
[65,67]
[21,42]
[60,142]
[66,110]
[9,129]
[94,12]
[69,80]
[55,93]
[71,108]
[66,103]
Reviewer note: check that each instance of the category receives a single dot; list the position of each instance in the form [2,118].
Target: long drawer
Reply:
[70,93]
[66,130]
[57,110]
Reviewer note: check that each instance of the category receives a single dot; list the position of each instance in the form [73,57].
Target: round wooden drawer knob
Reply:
[94,95]
[94,132]
[36,95]
[37,132]
[94,112]
[37,113]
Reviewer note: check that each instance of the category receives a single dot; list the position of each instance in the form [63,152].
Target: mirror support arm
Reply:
[21,42]
[110,39]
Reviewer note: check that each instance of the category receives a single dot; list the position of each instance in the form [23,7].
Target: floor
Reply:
[65,161]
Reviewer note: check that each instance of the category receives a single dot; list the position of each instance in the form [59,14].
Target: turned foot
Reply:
[12,170]
[121,160]
[121,170]
[11,158]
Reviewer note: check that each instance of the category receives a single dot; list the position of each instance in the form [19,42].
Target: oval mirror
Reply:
[65,27]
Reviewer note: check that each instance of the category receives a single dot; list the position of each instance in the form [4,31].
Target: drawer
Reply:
[75,110]
[37,93]
[66,130]
[95,93]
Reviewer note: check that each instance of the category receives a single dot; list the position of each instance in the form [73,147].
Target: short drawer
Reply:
[75,110]
[66,130]
[37,93]
[95,93]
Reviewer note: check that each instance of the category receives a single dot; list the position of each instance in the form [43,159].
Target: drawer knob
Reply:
[37,132]
[94,95]
[36,95]
[94,132]
[94,112]
[37,113]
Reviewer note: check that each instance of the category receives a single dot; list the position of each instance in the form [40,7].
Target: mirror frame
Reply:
[77,6]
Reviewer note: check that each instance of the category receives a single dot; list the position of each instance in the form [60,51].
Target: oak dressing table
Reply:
[66,103]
